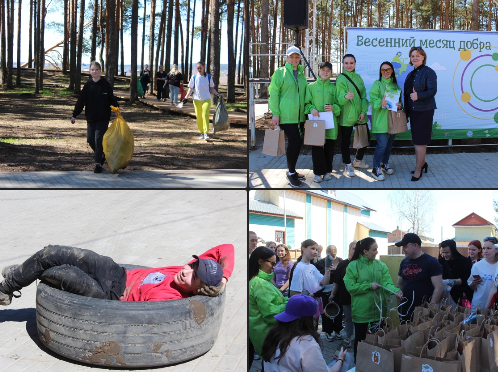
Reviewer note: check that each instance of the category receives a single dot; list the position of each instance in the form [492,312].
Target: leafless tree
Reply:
[415,208]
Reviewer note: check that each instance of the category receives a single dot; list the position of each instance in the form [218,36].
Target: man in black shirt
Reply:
[420,275]
[456,271]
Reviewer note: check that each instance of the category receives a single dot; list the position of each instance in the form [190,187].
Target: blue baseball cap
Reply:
[209,271]
[297,307]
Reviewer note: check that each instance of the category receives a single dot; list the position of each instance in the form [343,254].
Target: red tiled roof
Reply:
[473,219]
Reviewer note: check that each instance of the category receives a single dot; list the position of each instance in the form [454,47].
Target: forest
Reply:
[166,26]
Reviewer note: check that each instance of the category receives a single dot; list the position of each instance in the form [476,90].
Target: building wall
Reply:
[266,226]
[465,233]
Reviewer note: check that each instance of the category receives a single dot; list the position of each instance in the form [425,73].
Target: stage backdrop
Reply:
[466,64]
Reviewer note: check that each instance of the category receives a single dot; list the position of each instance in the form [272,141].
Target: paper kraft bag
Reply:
[314,132]
[274,143]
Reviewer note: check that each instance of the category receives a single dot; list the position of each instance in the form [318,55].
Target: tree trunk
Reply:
[239,81]
[115,50]
[77,85]
[475,15]
[72,47]
[204,27]
[37,46]
[490,11]
[264,67]
[163,35]
[177,33]
[185,62]
[143,36]
[18,74]
[157,62]
[93,52]
[191,44]
[182,50]
[30,38]
[3,64]
[134,50]
[43,13]
[246,45]
[65,47]
[111,36]
[123,72]
[10,44]
[151,45]
[231,53]
[168,34]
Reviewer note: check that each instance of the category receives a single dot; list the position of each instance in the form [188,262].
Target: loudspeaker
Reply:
[296,14]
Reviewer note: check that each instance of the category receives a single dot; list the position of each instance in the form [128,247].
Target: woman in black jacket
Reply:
[96,97]
[420,89]
[456,271]
[174,79]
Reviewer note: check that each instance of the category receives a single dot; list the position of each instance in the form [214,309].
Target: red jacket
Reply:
[167,289]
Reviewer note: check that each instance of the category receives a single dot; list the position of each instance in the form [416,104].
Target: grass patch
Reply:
[27,141]
[236,105]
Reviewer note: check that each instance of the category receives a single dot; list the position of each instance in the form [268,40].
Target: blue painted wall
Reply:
[277,223]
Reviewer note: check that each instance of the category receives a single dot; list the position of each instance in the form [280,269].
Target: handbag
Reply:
[397,122]
[360,138]
[314,132]
[274,142]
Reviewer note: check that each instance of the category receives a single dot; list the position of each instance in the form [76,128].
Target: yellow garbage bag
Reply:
[118,143]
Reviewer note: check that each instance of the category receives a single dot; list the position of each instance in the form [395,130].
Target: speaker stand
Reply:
[296,30]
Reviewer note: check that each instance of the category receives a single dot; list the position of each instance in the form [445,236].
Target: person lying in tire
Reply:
[86,273]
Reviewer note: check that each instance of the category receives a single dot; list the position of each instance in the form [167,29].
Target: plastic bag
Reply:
[220,119]
[118,143]
[140,89]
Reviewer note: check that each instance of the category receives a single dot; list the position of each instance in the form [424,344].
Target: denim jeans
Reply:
[383,148]
[173,93]
[74,270]
[348,321]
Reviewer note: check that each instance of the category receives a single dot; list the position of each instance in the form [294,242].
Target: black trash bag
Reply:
[220,119]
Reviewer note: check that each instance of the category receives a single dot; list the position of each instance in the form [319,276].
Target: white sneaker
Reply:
[349,170]
[377,174]
[360,164]
[386,168]
[327,177]
[317,178]
[201,136]
[206,136]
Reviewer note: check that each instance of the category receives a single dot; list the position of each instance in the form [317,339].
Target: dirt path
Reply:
[36,134]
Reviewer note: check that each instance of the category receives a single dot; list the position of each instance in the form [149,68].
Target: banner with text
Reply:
[466,64]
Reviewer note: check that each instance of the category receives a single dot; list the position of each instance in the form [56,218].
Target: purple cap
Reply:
[297,307]
[209,271]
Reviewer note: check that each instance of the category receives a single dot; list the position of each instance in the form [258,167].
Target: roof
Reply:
[374,227]
[343,197]
[270,208]
[473,219]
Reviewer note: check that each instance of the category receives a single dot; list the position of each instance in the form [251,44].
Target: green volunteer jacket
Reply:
[286,96]
[351,109]
[380,116]
[265,301]
[360,274]
[319,94]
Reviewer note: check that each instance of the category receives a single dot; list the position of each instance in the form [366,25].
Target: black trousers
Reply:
[95,131]
[346,140]
[322,157]
[295,134]
[160,92]
[74,270]
[329,325]
[360,331]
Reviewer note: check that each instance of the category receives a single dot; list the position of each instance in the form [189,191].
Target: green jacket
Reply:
[265,301]
[360,274]
[286,96]
[319,94]
[351,109]
[380,115]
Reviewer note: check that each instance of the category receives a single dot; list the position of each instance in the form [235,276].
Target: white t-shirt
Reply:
[306,276]
[201,92]
[303,355]
[487,273]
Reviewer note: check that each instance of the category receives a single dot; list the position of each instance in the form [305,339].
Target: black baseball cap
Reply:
[409,238]
[209,271]
[326,64]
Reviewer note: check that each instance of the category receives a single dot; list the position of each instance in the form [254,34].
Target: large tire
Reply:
[127,334]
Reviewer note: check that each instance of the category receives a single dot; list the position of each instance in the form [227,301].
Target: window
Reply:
[280,237]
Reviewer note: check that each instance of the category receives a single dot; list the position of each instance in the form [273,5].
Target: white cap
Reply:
[293,49]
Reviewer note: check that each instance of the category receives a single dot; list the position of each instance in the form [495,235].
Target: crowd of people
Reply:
[292,99]
[286,298]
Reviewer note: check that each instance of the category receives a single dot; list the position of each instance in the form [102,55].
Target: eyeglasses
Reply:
[386,70]
[273,263]
[491,239]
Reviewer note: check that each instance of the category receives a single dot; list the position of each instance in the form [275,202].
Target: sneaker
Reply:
[349,170]
[206,136]
[387,169]
[327,177]
[338,336]
[317,178]
[256,356]
[377,174]
[98,169]
[294,180]
[201,136]
[329,337]
[302,177]
[359,164]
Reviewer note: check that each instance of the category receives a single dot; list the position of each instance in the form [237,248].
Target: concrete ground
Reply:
[213,178]
[145,227]
[460,170]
